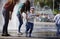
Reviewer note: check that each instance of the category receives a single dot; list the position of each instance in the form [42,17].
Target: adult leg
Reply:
[20,23]
[5,27]
[57,30]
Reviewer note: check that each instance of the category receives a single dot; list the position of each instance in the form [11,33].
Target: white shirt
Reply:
[57,19]
[31,17]
[24,18]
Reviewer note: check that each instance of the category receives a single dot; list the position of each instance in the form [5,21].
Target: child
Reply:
[30,21]
[24,19]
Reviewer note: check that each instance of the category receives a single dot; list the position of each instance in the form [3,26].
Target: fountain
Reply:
[45,12]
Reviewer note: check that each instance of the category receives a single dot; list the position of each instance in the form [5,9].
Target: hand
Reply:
[9,17]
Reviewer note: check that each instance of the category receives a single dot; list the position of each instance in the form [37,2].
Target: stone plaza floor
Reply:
[35,35]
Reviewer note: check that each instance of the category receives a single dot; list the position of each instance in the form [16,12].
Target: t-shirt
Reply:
[57,19]
[31,17]
[17,8]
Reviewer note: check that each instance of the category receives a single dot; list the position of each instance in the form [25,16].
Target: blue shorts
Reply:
[29,25]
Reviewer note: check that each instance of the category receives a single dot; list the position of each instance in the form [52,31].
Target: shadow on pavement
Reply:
[46,37]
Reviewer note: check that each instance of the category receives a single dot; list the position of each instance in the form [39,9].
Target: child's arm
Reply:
[36,15]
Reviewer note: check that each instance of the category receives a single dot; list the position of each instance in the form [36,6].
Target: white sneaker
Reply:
[20,33]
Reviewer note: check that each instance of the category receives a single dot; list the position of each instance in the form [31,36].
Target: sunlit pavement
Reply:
[41,30]
[35,35]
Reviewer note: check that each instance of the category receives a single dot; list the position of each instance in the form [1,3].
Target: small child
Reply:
[30,22]
[24,18]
